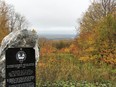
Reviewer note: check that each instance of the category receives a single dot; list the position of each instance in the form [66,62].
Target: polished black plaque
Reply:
[20,67]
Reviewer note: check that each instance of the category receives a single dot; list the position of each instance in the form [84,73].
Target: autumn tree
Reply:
[10,20]
[3,20]
[16,21]
[97,31]
[106,41]
[96,11]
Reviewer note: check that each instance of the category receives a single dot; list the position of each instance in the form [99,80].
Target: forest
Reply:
[88,60]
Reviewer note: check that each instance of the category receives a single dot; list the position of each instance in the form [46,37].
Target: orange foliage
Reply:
[47,50]
[3,33]
[65,50]
[74,49]
[42,65]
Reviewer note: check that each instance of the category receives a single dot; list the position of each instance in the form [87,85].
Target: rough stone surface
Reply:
[18,38]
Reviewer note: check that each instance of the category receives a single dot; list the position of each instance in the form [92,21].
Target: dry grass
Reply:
[65,67]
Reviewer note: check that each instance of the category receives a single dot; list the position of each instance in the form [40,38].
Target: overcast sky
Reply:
[51,16]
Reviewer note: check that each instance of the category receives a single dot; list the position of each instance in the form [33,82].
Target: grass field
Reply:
[65,70]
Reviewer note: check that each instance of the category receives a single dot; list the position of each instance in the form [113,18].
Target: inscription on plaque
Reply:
[20,67]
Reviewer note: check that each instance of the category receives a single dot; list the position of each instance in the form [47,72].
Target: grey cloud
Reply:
[51,13]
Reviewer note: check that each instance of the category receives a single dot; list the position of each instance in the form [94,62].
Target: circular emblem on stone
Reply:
[21,56]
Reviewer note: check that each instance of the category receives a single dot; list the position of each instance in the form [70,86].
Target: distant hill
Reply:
[57,36]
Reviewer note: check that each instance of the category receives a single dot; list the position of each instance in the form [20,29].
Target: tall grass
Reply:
[54,68]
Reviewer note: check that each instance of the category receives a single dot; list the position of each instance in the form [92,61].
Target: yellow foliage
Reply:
[3,33]
[86,58]
[90,49]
